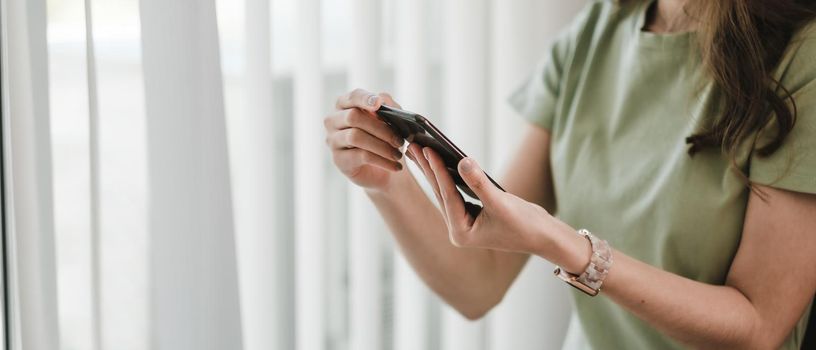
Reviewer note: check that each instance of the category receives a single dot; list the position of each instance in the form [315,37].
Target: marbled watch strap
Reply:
[599,263]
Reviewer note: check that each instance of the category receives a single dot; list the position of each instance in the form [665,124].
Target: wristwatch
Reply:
[592,278]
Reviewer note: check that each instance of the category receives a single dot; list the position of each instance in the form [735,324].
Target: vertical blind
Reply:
[415,327]
[169,186]
[32,302]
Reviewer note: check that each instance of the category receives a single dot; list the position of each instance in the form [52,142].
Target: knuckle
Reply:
[354,137]
[366,157]
[480,183]
[352,117]
[334,140]
[358,93]
[336,158]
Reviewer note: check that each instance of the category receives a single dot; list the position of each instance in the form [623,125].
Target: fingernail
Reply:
[467,165]
[425,153]
[372,100]
[397,155]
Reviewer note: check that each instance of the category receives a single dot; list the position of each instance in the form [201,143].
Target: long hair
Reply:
[741,43]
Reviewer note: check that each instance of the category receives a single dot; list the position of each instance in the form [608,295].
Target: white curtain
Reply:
[32,299]
[169,186]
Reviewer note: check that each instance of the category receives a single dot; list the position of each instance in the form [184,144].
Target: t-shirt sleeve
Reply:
[536,97]
[793,166]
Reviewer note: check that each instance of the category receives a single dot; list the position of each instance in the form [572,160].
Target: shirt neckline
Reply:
[665,41]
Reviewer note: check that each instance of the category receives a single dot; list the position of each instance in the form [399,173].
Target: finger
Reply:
[477,180]
[414,152]
[452,199]
[388,100]
[426,170]
[411,154]
[359,98]
[358,138]
[350,161]
[354,118]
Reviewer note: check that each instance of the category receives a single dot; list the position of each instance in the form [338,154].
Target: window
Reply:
[170,187]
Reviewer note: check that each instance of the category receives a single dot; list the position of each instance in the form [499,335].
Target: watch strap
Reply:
[591,280]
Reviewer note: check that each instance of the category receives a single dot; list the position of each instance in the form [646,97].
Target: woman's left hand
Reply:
[506,222]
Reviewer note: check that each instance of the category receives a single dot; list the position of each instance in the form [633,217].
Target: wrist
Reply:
[577,254]
[566,249]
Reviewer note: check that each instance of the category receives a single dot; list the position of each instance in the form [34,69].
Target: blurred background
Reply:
[169,186]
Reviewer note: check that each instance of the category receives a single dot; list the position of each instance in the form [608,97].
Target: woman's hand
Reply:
[363,147]
[506,222]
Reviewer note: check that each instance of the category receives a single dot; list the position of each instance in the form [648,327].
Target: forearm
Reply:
[470,279]
[694,313]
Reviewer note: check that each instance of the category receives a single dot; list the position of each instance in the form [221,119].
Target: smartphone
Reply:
[415,128]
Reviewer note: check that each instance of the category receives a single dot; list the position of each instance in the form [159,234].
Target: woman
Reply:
[683,133]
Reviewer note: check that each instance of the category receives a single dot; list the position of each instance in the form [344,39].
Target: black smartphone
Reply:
[415,128]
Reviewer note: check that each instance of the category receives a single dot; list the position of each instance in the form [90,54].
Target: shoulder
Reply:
[596,9]
[596,21]
[600,14]
[797,69]
[604,9]
[793,166]
[805,35]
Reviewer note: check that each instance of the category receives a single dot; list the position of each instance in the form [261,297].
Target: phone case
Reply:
[415,128]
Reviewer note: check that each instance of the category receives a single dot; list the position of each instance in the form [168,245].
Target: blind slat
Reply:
[310,181]
[366,229]
[93,148]
[32,266]
[412,299]
[193,292]
[465,106]
[264,266]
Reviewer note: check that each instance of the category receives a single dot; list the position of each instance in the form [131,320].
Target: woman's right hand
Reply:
[363,147]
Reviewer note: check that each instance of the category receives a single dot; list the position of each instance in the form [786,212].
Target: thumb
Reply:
[477,180]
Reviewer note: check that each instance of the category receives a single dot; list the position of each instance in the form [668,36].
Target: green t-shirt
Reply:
[619,103]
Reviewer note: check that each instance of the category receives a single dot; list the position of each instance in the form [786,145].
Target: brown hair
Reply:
[742,42]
